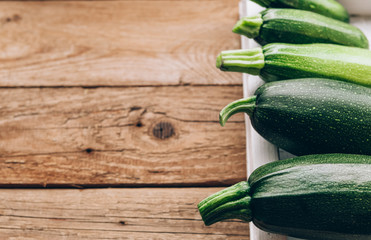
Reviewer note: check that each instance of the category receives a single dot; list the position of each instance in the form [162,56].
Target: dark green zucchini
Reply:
[329,8]
[299,26]
[325,197]
[278,61]
[310,116]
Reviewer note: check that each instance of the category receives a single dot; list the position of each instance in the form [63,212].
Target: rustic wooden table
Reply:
[109,118]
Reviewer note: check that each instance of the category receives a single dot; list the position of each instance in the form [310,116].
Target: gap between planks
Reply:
[124,86]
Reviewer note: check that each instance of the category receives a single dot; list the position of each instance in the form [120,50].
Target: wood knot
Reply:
[139,124]
[163,130]
[89,150]
[14,18]
[122,222]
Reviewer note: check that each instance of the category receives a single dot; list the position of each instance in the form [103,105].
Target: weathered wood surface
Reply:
[107,136]
[148,213]
[95,43]
[137,123]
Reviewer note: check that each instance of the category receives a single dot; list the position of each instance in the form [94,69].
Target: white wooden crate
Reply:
[259,151]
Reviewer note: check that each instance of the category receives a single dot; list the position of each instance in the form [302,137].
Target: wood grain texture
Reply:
[148,213]
[105,136]
[94,93]
[115,43]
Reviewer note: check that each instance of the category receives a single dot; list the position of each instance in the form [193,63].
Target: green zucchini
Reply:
[299,26]
[310,116]
[314,197]
[278,61]
[330,8]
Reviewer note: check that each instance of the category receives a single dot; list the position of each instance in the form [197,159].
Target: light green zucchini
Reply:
[279,61]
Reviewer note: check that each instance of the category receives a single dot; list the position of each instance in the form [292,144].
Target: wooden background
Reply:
[109,118]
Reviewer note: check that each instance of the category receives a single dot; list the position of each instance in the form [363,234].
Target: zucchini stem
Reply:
[241,60]
[230,203]
[249,26]
[246,105]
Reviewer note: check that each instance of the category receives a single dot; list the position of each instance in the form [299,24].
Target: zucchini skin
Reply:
[310,116]
[325,196]
[281,61]
[302,27]
[330,8]
[316,60]
[297,196]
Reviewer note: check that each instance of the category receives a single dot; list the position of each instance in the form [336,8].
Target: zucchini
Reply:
[310,116]
[330,8]
[325,196]
[299,26]
[278,61]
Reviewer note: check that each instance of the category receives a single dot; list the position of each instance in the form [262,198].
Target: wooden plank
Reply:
[149,213]
[120,43]
[107,136]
